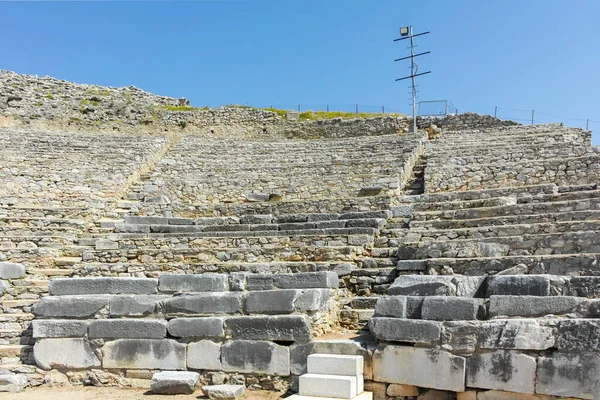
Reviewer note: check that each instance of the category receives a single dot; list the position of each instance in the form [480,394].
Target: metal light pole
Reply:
[406,32]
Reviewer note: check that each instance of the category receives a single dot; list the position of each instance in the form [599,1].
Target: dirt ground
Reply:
[95,393]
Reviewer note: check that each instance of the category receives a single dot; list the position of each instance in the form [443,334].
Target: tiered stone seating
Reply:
[511,156]
[544,233]
[199,173]
[74,170]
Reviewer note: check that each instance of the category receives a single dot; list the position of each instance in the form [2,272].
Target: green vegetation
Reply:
[98,92]
[38,104]
[87,102]
[281,113]
[50,96]
[321,115]
[182,124]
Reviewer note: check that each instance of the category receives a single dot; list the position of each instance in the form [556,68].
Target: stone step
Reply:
[540,244]
[414,235]
[481,194]
[333,386]
[335,364]
[14,350]
[557,264]
[154,269]
[464,204]
[339,205]
[190,236]
[363,303]
[516,219]
[240,254]
[543,285]
[510,210]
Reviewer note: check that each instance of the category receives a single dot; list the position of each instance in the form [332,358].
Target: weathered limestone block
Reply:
[535,306]
[281,327]
[428,368]
[204,303]
[285,301]
[174,382]
[70,306]
[106,244]
[130,305]
[10,270]
[4,285]
[436,285]
[398,390]
[518,285]
[127,329]
[312,300]
[197,327]
[584,286]
[257,357]
[12,383]
[271,301]
[302,280]
[405,330]
[64,353]
[256,219]
[224,392]
[391,306]
[466,337]
[82,286]
[569,374]
[55,328]
[144,354]
[193,283]
[578,335]
[502,395]
[204,355]
[517,334]
[411,265]
[502,370]
[446,308]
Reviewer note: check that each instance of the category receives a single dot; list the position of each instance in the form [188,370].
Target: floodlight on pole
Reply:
[406,32]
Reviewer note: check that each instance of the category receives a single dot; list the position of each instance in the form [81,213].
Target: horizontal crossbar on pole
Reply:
[416,55]
[408,37]
[413,76]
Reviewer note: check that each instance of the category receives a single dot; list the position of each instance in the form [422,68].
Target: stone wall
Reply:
[455,122]
[245,323]
[522,334]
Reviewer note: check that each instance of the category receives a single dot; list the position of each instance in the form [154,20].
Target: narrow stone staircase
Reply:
[333,377]
[417,185]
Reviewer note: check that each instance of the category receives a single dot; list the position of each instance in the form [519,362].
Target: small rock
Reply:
[174,382]
[10,382]
[224,392]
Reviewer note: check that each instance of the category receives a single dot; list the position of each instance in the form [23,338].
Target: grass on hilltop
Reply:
[322,115]
[305,116]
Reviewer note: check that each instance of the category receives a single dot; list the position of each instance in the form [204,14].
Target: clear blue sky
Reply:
[516,54]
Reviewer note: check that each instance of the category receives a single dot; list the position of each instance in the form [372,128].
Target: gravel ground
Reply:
[95,393]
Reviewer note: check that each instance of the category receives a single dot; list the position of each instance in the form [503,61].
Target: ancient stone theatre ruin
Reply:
[343,258]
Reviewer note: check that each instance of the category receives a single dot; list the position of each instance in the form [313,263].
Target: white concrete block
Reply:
[362,396]
[333,364]
[336,386]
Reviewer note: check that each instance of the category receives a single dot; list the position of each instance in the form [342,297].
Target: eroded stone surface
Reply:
[407,366]
[64,353]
